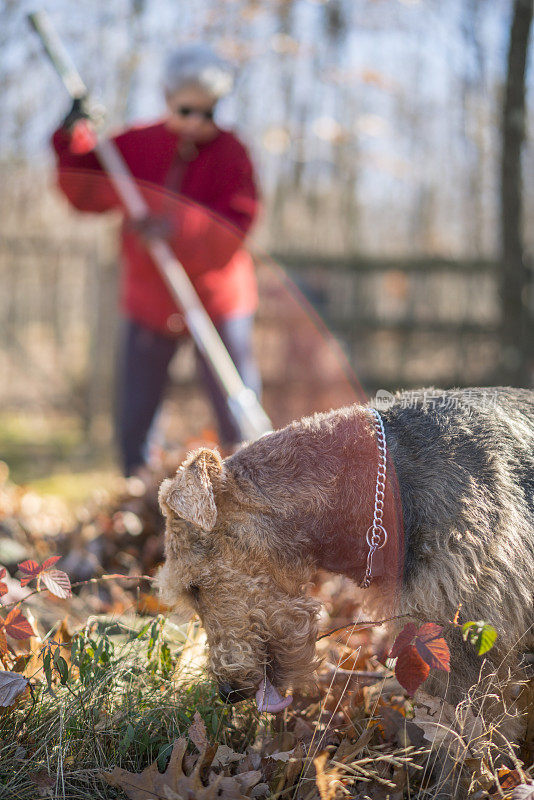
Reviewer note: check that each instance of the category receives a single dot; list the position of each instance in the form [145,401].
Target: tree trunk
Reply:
[517,322]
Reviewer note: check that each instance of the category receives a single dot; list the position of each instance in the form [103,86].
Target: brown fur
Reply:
[244,536]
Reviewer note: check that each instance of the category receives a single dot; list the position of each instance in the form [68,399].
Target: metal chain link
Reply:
[376,536]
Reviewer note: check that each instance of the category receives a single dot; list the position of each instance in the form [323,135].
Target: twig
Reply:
[360,625]
[101,579]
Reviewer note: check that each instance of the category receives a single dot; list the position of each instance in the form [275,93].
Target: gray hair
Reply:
[197,64]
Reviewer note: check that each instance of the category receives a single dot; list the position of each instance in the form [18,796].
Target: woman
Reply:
[188,170]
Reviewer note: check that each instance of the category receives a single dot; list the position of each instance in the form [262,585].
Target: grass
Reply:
[52,455]
[134,685]
[127,699]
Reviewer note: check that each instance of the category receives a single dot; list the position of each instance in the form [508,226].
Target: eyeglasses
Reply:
[191,111]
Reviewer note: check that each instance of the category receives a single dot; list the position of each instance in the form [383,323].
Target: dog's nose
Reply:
[230,695]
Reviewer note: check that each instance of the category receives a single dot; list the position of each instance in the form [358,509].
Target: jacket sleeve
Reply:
[81,177]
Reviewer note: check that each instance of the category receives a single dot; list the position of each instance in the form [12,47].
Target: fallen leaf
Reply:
[327,780]
[443,724]
[174,783]
[197,732]
[262,790]
[280,744]
[235,786]
[303,730]
[12,684]
[225,755]
[348,750]
[294,765]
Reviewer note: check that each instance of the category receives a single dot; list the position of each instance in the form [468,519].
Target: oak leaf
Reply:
[174,783]
[455,727]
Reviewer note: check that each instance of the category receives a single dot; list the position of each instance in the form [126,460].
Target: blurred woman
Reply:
[199,184]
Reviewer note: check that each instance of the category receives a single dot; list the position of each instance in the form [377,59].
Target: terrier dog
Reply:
[451,529]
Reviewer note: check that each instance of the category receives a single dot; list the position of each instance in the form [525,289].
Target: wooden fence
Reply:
[396,324]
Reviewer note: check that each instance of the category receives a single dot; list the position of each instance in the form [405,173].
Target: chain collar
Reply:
[376,536]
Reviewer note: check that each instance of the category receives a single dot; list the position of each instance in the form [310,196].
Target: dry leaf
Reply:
[347,750]
[327,780]
[174,783]
[443,724]
[236,787]
[225,755]
[295,764]
[280,744]
[11,685]
[197,732]
[260,790]
[281,756]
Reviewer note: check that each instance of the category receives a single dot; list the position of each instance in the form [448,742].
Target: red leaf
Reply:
[17,626]
[429,630]
[405,637]
[31,568]
[49,562]
[3,589]
[410,669]
[2,573]
[3,641]
[57,582]
[432,647]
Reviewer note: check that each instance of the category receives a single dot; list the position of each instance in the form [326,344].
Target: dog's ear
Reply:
[190,493]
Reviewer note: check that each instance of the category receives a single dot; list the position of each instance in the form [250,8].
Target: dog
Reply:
[454,534]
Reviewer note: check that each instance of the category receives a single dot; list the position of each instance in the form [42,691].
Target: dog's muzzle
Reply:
[231,695]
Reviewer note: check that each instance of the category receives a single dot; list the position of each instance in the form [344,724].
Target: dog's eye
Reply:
[194,591]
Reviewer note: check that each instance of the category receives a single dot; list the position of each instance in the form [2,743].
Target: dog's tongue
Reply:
[269,698]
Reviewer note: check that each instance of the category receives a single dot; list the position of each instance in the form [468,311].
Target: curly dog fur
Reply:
[244,536]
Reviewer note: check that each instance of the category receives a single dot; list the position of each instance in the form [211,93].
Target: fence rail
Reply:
[400,323]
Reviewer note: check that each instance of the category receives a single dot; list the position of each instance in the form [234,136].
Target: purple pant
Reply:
[143,377]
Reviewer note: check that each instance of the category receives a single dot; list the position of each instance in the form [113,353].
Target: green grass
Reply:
[74,487]
[126,701]
[53,455]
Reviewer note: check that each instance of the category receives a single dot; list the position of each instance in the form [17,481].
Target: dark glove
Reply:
[77,112]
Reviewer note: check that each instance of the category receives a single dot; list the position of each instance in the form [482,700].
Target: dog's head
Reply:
[233,557]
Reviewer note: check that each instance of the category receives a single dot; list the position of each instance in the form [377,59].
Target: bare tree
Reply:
[517,321]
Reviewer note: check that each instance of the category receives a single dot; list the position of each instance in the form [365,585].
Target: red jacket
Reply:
[220,179]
